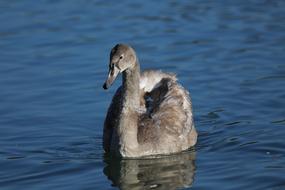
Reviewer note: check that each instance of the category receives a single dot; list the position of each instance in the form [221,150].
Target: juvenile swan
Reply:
[149,114]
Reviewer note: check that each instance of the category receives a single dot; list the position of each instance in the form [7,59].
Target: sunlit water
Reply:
[53,61]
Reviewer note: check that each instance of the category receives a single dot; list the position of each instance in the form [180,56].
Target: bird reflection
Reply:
[164,172]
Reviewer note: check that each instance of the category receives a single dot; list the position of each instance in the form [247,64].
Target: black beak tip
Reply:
[105,86]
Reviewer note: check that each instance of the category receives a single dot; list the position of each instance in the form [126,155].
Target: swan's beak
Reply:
[113,73]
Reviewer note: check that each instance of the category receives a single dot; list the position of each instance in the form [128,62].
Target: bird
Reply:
[150,113]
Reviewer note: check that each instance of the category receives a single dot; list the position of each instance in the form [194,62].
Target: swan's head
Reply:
[122,57]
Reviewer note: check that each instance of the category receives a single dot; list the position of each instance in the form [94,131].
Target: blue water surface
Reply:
[230,55]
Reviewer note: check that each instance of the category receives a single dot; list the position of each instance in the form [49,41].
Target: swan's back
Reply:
[167,124]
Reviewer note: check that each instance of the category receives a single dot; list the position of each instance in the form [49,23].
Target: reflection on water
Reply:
[166,172]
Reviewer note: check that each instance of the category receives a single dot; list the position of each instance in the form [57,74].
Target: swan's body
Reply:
[149,114]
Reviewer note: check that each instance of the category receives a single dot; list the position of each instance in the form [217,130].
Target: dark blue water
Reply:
[53,61]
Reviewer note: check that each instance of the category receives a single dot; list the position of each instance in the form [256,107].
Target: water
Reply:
[53,61]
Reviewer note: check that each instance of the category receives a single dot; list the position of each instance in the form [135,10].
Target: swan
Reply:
[150,114]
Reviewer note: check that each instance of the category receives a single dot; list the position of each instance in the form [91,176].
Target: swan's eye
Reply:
[121,57]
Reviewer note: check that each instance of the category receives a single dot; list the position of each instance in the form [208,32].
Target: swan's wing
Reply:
[150,79]
[169,113]
[111,119]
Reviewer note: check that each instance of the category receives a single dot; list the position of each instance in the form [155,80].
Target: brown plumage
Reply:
[149,114]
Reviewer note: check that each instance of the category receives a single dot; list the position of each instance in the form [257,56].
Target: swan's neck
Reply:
[129,117]
[131,85]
